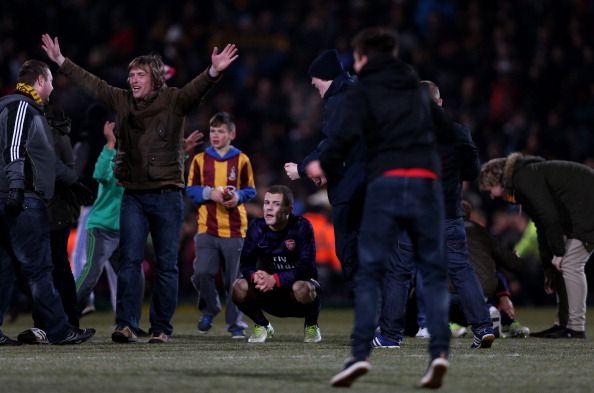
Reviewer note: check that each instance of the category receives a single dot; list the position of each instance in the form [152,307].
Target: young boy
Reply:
[219,182]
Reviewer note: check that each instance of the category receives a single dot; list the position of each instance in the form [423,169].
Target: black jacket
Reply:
[459,162]
[393,114]
[63,208]
[557,195]
[346,179]
[28,160]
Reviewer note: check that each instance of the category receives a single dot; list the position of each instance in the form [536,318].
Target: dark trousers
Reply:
[63,278]
[346,219]
[25,238]
[280,303]
[393,205]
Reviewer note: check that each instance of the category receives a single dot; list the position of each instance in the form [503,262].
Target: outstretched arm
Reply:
[52,48]
[222,60]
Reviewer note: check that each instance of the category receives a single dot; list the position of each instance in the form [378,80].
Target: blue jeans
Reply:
[25,238]
[460,272]
[159,212]
[394,205]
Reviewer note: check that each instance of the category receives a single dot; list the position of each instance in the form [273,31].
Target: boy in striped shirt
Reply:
[220,182]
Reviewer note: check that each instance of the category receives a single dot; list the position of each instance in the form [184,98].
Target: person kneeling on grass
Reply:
[279,269]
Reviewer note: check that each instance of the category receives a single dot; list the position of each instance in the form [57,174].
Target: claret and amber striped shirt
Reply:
[209,170]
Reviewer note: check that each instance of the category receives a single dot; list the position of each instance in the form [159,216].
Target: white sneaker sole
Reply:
[346,377]
[433,378]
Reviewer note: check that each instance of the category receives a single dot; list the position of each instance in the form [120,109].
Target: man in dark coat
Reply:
[346,180]
[557,195]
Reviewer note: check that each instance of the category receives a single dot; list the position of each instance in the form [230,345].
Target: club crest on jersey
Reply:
[290,244]
[232,174]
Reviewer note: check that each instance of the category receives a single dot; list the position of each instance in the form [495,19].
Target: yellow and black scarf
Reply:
[30,91]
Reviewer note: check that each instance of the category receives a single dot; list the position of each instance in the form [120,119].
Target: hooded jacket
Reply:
[557,195]
[394,116]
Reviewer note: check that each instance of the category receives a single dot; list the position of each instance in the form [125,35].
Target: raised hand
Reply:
[52,48]
[222,60]
[193,140]
[108,128]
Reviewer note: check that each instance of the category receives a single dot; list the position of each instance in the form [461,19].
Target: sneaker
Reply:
[352,370]
[457,330]
[141,333]
[566,333]
[124,335]
[379,341]
[423,333]
[516,330]
[261,333]
[205,324]
[33,336]
[89,309]
[158,338]
[76,336]
[237,332]
[433,377]
[483,338]
[545,332]
[8,342]
[312,334]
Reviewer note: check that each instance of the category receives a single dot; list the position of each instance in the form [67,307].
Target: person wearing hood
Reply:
[557,197]
[388,110]
[345,180]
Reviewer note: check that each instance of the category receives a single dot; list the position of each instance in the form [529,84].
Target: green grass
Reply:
[215,363]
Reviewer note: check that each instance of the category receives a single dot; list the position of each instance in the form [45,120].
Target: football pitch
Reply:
[215,363]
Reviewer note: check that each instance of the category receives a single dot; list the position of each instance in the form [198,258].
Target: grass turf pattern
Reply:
[214,363]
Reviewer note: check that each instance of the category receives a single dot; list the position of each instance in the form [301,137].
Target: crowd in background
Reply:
[519,74]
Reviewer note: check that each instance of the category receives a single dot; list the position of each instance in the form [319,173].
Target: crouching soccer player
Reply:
[279,269]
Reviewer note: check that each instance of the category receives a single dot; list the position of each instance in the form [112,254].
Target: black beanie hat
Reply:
[326,66]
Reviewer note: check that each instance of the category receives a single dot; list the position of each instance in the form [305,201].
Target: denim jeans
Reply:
[159,212]
[394,205]
[460,272]
[25,238]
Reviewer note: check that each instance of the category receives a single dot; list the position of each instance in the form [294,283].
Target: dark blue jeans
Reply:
[159,212]
[346,219]
[25,238]
[394,205]
[460,272]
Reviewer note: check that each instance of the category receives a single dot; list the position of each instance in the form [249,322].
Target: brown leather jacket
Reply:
[149,131]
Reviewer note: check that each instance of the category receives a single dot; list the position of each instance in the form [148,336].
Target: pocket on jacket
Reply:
[164,166]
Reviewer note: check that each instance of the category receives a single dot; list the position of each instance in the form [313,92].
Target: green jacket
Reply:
[557,195]
[105,213]
[150,131]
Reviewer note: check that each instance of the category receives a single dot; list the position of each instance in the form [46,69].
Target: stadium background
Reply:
[519,73]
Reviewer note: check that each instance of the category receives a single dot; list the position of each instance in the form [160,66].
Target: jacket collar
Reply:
[340,83]
[233,151]
[513,163]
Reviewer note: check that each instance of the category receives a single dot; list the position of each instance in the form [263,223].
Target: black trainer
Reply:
[7,341]
[544,333]
[33,336]
[76,336]
[566,333]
